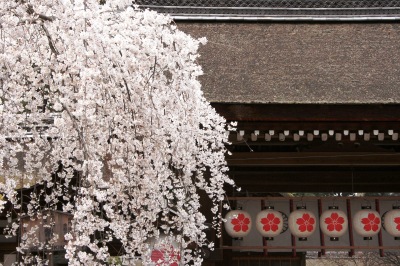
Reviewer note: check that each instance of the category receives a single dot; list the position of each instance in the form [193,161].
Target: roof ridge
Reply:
[273,3]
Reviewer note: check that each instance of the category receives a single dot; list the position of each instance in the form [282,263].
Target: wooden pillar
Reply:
[321,234]
[380,241]
[351,238]
[293,237]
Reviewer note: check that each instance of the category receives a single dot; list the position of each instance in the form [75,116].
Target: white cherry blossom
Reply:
[103,117]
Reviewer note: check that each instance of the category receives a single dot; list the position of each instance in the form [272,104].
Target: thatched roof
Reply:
[299,62]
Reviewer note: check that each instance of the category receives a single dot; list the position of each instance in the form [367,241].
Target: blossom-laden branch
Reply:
[132,139]
[51,43]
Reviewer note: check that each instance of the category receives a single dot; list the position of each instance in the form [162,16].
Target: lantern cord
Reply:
[245,142]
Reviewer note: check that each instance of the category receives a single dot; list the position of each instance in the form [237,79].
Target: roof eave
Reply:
[188,17]
[278,14]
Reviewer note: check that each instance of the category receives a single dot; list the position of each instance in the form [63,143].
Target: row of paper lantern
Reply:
[302,223]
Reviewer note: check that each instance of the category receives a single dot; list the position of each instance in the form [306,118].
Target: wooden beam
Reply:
[314,159]
[315,183]
[309,112]
[322,188]
[367,126]
[317,178]
[312,247]
[8,247]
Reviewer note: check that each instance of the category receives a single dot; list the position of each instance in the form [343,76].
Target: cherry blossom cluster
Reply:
[103,118]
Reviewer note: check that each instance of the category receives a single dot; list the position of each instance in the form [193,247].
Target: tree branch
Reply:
[51,43]
[46,18]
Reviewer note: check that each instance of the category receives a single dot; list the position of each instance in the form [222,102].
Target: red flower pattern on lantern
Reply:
[335,222]
[160,257]
[397,221]
[240,223]
[271,222]
[371,222]
[306,223]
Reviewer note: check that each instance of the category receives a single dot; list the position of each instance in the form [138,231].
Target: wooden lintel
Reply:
[313,247]
[308,112]
[313,158]
[337,126]
[321,188]
[308,198]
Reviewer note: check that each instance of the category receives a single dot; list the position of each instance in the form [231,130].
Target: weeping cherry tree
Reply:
[103,119]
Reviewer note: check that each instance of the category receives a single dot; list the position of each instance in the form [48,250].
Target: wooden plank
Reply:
[10,246]
[350,223]
[337,126]
[315,177]
[307,180]
[308,112]
[270,188]
[315,247]
[314,159]
[307,198]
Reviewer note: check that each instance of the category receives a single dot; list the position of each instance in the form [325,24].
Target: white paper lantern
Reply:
[391,222]
[302,223]
[333,223]
[269,223]
[238,223]
[367,223]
